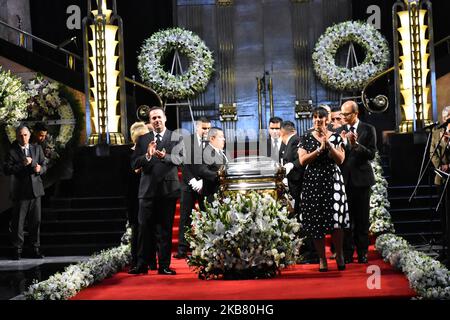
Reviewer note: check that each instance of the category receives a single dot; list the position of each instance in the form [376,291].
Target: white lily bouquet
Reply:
[244,236]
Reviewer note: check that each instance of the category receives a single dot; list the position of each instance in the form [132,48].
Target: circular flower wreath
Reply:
[159,46]
[13,99]
[342,78]
[46,104]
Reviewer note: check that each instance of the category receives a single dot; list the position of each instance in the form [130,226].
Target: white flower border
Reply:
[342,78]
[427,276]
[13,98]
[65,285]
[194,80]
[380,218]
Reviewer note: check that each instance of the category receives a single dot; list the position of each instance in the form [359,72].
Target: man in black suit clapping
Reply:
[192,183]
[360,148]
[26,163]
[157,153]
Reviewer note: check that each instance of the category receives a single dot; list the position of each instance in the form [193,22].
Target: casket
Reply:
[256,173]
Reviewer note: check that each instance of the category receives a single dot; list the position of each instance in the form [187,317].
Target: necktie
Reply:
[26,152]
[158,139]
[225,159]
[275,149]
[352,129]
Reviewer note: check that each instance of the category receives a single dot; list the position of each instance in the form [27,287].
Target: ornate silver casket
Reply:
[256,173]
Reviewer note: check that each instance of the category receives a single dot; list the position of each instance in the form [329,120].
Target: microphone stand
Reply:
[423,170]
[422,167]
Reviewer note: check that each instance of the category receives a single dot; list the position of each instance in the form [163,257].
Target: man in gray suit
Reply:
[26,163]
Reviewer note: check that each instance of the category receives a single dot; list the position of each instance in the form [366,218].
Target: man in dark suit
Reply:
[289,160]
[360,148]
[213,159]
[26,163]
[192,183]
[157,154]
[274,141]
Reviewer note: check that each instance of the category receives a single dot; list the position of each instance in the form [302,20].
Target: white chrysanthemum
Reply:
[193,80]
[341,78]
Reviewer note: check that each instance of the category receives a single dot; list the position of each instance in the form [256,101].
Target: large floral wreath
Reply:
[13,99]
[50,103]
[341,78]
[159,46]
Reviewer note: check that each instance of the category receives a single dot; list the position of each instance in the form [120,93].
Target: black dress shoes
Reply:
[166,271]
[37,254]
[362,259]
[138,270]
[180,255]
[348,260]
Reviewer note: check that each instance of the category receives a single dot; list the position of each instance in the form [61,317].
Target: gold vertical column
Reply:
[225,54]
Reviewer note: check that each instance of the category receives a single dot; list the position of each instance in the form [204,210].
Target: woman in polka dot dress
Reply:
[323,202]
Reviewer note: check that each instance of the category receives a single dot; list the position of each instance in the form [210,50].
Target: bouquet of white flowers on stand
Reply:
[244,236]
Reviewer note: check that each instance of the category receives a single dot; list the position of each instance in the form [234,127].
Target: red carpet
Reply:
[298,282]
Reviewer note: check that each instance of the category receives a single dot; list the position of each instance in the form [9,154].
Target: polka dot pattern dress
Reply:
[323,201]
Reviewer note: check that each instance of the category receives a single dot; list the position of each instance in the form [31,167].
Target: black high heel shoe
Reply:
[323,268]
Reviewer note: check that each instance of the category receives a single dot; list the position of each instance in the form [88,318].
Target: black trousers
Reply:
[188,199]
[155,230]
[26,209]
[359,206]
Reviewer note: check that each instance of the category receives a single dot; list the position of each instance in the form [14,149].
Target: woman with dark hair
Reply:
[324,206]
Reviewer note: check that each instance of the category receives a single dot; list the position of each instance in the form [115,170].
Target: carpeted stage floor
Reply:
[296,283]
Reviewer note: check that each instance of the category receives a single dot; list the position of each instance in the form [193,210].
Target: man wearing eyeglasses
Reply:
[360,148]
[192,185]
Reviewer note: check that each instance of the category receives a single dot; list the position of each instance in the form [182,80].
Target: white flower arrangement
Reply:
[13,99]
[427,276]
[341,78]
[380,218]
[44,104]
[193,81]
[63,286]
[243,236]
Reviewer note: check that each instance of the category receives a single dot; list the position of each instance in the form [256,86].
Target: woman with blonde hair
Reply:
[137,129]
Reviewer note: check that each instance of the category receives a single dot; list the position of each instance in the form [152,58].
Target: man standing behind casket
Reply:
[294,171]
[192,184]
[213,159]
[158,153]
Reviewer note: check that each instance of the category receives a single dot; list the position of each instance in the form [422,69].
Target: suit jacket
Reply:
[212,162]
[442,154]
[159,177]
[25,183]
[290,154]
[270,152]
[356,168]
[193,159]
